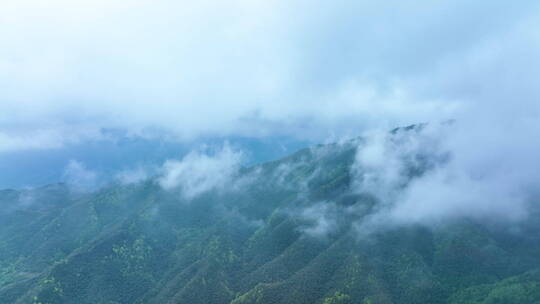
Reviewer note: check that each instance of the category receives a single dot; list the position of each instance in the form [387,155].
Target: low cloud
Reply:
[442,172]
[133,176]
[79,177]
[288,175]
[320,219]
[200,171]
[386,162]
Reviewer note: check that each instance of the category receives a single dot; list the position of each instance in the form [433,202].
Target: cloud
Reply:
[133,176]
[438,173]
[491,174]
[386,162]
[181,70]
[79,177]
[257,68]
[287,175]
[199,172]
[321,219]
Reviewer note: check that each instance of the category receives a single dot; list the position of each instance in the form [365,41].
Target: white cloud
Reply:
[79,177]
[321,219]
[385,162]
[189,69]
[256,68]
[198,172]
[485,174]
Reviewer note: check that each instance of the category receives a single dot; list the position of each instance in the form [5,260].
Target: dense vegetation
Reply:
[253,244]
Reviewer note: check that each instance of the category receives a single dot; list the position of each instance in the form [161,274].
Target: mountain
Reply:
[288,231]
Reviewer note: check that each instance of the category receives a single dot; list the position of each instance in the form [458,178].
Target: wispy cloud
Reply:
[136,175]
[199,172]
[79,177]
[321,219]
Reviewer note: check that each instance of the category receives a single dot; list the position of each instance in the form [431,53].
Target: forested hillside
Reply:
[289,231]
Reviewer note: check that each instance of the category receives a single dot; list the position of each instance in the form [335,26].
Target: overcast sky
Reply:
[71,71]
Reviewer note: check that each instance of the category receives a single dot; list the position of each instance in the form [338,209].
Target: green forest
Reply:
[255,244]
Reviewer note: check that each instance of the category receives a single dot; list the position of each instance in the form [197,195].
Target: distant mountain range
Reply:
[287,231]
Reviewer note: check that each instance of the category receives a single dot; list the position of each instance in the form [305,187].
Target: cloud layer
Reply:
[255,68]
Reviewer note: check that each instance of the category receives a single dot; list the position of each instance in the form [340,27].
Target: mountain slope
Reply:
[282,232]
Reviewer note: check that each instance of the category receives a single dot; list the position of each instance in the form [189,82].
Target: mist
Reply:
[269,151]
[313,71]
[199,172]
[438,173]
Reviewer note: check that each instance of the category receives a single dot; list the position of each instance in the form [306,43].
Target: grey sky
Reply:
[258,68]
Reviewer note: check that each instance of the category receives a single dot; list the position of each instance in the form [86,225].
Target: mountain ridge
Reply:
[286,231]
